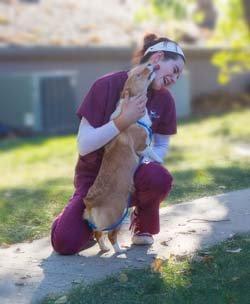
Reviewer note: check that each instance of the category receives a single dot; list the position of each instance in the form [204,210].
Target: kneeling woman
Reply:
[70,234]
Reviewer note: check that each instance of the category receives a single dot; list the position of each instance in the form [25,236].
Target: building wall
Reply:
[203,75]
[91,63]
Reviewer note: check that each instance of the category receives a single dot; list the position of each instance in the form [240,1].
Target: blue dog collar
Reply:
[116,224]
[148,129]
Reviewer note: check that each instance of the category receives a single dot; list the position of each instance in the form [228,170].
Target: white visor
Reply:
[167,46]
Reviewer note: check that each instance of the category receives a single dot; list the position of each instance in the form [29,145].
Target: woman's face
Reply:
[168,73]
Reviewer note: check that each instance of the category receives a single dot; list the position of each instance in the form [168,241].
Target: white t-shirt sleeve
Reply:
[90,139]
[161,145]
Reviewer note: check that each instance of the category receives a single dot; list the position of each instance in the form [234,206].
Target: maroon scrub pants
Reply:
[71,234]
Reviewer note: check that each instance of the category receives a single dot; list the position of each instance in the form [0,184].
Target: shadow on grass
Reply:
[13,143]
[184,282]
[27,213]
[16,143]
[194,285]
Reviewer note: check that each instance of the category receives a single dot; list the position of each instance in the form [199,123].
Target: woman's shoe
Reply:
[142,239]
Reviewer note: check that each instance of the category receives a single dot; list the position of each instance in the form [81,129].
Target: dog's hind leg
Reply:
[100,237]
[112,235]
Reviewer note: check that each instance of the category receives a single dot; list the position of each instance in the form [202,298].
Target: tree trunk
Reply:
[209,12]
[246,8]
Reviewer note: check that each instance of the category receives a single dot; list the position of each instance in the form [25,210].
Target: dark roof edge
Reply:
[53,53]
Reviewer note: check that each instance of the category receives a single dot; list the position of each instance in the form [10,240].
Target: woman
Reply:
[70,234]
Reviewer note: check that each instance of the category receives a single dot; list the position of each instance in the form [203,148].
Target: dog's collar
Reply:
[147,128]
[91,225]
[113,226]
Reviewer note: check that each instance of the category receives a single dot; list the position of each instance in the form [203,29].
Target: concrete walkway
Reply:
[29,271]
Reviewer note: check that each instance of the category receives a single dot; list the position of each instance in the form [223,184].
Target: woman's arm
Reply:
[90,139]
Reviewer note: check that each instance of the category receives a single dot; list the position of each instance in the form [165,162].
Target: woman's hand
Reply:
[133,108]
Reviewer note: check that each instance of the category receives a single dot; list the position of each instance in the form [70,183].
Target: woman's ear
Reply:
[156,57]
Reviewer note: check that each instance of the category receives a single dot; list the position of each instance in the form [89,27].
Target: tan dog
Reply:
[107,198]
[139,78]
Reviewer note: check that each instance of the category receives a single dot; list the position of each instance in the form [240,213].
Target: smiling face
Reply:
[169,71]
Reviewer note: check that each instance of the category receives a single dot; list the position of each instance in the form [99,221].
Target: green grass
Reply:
[203,159]
[37,174]
[36,182]
[217,278]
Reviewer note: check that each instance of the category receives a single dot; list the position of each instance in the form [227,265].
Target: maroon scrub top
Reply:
[97,107]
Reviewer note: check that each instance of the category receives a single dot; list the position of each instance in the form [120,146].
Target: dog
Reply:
[108,197]
[139,79]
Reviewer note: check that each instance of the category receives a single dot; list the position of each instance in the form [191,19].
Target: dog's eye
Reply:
[138,75]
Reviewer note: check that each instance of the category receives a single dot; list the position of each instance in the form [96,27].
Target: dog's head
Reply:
[139,78]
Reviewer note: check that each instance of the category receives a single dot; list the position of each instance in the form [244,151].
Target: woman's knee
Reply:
[66,242]
[65,246]
[154,178]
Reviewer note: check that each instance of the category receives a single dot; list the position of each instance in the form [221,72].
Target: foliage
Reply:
[232,31]
[170,8]
[174,15]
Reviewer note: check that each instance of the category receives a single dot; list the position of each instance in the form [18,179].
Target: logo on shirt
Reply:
[153,115]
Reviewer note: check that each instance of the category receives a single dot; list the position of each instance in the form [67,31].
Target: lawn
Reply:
[37,173]
[218,275]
